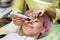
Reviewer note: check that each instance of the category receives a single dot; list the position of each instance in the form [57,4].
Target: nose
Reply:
[29,22]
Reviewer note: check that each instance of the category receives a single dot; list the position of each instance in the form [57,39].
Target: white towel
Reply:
[14,36]
[11,28]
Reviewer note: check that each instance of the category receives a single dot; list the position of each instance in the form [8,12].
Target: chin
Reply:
[27,33]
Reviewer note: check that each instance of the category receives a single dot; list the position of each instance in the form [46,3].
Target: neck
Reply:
[34,36]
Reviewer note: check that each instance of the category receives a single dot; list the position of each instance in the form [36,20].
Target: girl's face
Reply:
[32,27]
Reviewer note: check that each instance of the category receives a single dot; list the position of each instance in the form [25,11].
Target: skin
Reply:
[51,11]
[42,11]
[30,28]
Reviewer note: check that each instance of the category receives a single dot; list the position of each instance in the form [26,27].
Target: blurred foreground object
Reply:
[5,3]
[4,21]
[4,11]
[58,21]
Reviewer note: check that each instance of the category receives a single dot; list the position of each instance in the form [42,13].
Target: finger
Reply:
[18,22]
[41,14]
[15,19]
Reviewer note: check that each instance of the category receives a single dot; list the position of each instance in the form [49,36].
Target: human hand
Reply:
[51,12]
[18,21]
[37,11]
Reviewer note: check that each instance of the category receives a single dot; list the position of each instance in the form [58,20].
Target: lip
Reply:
[29,26]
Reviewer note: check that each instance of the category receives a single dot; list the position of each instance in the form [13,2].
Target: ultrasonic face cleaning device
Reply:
[13,15]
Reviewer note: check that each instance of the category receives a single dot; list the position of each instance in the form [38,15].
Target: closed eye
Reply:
[35,20]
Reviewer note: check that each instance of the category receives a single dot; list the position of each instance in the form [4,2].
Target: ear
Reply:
[43,30]
[42,34]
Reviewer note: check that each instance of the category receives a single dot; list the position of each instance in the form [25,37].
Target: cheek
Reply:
[37,25]
[37,28]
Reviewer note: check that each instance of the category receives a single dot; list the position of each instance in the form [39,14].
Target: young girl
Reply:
[37,27]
